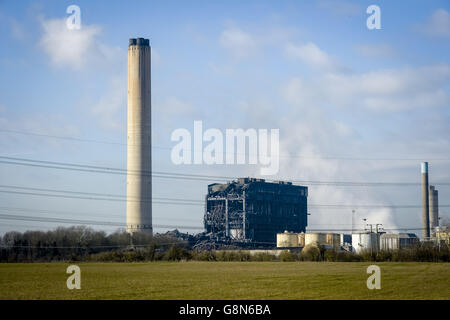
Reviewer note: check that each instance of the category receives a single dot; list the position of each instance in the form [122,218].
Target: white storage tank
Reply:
[368,241]
[287,240]
[301,239]
[315,238]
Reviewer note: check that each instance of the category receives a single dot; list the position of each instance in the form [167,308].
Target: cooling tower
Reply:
[425,203]
[139,160]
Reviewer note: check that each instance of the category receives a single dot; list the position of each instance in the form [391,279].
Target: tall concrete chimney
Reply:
[425,203]
[139,156]
[434,210]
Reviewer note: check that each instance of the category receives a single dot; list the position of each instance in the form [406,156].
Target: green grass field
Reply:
[225,280]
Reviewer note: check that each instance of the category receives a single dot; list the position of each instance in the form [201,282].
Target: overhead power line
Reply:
[123,197]
[61,137]
[184,176]
[14,210]
[117,224]
[87,222]
[164,200]
[347,158]
[92,198]
[90,214]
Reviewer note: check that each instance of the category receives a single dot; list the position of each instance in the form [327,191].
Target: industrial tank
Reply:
[366,242]
[287,240]
[301,239]
[315,238]
[334,240]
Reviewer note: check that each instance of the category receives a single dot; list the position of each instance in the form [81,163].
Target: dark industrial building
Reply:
[253,210]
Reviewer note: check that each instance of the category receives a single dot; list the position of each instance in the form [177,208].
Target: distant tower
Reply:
[434,209]
[139,156]
[425,203]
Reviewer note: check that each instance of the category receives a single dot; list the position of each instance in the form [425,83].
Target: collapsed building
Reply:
[253,211]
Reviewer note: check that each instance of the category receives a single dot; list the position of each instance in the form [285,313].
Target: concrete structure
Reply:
[139,159]
[287,240]
[311,239]
[368,241]
[396,241]
[253,210]
[433,209]
[442,236]
[425,202]
[301,239]
[290,239]
[315,238]
[334,240]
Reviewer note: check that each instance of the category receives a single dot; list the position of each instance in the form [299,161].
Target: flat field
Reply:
[225,280]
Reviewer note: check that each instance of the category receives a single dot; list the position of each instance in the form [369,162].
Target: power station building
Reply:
[253,210]
[139,140]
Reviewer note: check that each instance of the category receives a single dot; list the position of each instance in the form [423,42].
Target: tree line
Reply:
[85,244]
[76,243]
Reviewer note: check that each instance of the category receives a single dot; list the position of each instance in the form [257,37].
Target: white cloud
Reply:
[243,44]
[82,50]
[298,91]
[239,43]
[68,47]
[76,49]
[375,50]
[438,24]
[342,129]
[311,55]
[174,106]
[308,134]
[314,135]
[111,102]
[41,124]
[383,90]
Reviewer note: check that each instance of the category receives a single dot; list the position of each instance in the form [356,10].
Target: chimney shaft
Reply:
[139,159]
[425,203]
[434,210]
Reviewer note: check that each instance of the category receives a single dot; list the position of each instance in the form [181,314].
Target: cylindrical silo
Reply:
[287,240]
[301,239]
[425,202]
[334,240]
[315,238]
[369,242]
[139,160]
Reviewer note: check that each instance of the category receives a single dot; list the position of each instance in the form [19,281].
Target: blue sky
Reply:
[310,68]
